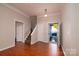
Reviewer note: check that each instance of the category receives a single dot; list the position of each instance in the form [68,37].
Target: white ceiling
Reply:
[37,8]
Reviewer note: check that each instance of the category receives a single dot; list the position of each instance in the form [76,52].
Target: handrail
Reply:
[34,30]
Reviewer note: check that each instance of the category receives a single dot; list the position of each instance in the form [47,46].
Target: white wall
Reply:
[33,21]
[76,28]
[70,25]
[43,28]
[34,35]
[77,34]
[7,26]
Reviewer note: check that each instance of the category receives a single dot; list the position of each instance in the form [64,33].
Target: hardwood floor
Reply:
[38,49]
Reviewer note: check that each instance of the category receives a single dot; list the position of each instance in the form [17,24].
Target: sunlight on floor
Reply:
[53,48]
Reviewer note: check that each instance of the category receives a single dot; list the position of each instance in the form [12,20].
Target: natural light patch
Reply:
[54,29]
[55,25]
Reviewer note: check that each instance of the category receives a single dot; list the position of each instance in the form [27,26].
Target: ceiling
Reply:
[35,9]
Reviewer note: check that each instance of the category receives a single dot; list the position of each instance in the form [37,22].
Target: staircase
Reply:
[32,37]
[28,39]
[33,26]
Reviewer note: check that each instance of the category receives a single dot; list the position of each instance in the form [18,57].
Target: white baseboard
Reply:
[7,47]
[38,41]
[64,51]
[33,42]
[44,41]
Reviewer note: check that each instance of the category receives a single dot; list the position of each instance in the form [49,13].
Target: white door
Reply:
[19,31]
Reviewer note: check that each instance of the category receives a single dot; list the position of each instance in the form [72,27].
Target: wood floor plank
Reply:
[38,49]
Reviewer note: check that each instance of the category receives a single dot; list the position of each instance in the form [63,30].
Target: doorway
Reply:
[18,32]
[53,36]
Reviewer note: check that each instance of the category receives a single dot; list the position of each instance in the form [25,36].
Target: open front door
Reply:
[54,33]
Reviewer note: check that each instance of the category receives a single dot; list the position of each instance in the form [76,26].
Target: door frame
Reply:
[16,20]
[58,34]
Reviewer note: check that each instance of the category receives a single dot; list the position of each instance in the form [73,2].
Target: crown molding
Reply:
[14,9]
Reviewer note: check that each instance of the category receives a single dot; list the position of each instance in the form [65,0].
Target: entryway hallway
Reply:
[34,32]
[37,49]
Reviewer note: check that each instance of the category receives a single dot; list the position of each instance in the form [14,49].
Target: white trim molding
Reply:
[64,51]
[34,42]
[14,9]
[16,20]
[7,47]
